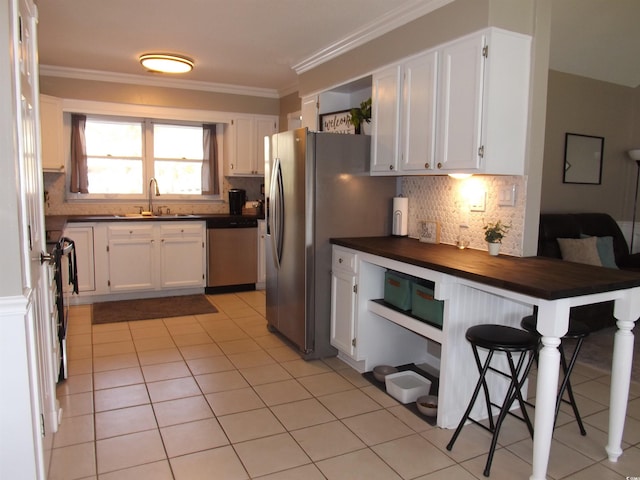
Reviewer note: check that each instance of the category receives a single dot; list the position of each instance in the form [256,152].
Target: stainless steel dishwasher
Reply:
[232,254]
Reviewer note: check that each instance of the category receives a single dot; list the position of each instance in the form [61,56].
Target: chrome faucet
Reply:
[156,191]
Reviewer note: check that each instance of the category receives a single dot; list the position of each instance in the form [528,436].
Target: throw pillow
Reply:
[580,250]
[605,251]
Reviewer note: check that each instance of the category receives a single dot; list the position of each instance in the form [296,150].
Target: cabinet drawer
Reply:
[343,260]
[128,231]
[181,228]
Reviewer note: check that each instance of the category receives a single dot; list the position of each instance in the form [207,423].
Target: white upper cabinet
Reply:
[419,113]
[484,100]
[385,119]
[51,129]
[461,107]
[309,111]
[403,116]
[245,139]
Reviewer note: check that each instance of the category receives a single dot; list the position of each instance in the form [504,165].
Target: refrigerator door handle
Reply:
[276,212]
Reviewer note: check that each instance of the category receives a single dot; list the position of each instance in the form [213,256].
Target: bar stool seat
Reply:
[510,341]
[576,331]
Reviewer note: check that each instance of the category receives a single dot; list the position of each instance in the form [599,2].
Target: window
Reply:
[114,156]
[178,154]
[123,154]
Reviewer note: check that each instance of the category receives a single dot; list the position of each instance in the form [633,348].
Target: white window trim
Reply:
[128,111]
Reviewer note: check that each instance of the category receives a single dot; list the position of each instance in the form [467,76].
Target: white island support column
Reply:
[553,321]
[627,310]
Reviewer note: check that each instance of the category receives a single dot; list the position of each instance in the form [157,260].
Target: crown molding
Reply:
[102,76]
[392,20]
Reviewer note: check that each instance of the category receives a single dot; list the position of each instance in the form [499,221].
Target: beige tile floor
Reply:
[219,397]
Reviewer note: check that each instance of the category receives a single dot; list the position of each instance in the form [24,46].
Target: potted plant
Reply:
[361,115]
[493,235]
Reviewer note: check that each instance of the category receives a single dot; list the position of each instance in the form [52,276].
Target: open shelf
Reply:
[406,320]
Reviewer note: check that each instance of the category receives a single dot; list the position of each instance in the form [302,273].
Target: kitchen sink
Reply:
[165,215]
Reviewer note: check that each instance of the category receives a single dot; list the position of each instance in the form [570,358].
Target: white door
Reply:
[32,185]
[29,397]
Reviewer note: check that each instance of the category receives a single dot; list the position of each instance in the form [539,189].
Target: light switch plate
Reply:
[478,203]
[507,196]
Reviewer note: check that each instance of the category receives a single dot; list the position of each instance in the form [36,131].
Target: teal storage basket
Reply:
[397,289]
[424,306]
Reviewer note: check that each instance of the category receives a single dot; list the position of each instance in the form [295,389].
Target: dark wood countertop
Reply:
[55,224]
[539,277]
[62,220]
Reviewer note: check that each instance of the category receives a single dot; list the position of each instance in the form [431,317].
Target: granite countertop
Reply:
[539,277]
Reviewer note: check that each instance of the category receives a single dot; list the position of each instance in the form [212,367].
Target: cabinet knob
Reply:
[426,165]
[390,167]
[339,260]
[439,165]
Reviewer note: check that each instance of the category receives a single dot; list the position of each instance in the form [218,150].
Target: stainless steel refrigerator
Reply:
[318,187]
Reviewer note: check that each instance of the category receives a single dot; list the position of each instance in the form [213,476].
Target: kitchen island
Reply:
[477,288]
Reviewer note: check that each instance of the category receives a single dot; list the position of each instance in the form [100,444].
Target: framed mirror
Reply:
[583,159]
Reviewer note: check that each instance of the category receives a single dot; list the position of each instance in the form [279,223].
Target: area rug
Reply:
[597,351]
[145,309]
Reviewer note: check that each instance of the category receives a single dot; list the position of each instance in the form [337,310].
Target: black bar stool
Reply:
[577,331]
[509,340]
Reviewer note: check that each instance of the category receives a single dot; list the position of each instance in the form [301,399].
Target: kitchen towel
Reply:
[400,216]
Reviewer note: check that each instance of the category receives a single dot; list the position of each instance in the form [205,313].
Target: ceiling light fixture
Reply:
[166,63]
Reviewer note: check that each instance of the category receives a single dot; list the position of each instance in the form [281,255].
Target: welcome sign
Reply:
[337,122]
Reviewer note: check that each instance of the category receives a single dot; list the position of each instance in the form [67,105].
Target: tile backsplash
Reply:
[56,204]
[434,198]
[447,201]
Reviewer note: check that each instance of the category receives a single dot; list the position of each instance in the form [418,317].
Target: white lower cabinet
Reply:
[146,256]
[182,255]
[344,291]
[132,255]
[82,236]
[368,333]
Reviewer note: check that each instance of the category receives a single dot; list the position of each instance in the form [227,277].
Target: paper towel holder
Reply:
[400,221]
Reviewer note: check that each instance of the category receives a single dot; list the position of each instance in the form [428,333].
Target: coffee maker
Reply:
[237,199]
